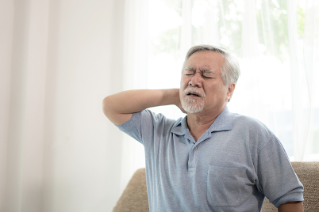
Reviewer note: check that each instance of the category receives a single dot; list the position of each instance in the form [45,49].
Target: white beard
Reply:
[191,105]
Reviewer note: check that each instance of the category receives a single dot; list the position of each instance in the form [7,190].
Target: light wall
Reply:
[59,59]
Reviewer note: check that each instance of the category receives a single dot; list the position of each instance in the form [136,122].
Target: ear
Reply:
[231,88]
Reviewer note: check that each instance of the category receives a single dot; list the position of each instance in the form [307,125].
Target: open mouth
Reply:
[193,94]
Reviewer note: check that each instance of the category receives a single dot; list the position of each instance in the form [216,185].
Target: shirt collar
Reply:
[223,122]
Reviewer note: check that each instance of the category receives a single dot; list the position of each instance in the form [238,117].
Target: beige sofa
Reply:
[134,197]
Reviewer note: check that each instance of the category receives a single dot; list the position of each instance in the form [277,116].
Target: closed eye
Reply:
[207,77]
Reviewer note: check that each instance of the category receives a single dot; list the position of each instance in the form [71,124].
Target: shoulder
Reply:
[155,117]
[252,125]
[253,130]
[157,120]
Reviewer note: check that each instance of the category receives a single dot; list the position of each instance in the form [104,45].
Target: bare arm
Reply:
[291,207]
[118,108]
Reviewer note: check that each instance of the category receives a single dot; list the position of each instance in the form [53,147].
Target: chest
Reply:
[217,163]
[180,155]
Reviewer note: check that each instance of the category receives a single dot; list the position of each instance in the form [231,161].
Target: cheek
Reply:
[184,82]
[180,93]
[222,88]
[218,92]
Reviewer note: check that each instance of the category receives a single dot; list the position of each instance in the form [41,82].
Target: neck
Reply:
[198,123]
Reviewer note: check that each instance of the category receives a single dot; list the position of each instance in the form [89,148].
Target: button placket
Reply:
[192,159]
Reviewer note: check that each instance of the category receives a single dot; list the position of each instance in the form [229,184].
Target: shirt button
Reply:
[195,147]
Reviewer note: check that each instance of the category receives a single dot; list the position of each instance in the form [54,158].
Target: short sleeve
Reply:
[133,126]
[142,126]
[277,179]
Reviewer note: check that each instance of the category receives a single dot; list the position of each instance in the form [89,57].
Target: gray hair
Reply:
[230,69]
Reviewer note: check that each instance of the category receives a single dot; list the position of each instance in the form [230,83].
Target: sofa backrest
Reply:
[134,197]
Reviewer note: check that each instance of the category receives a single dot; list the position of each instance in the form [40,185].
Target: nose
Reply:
[196,80]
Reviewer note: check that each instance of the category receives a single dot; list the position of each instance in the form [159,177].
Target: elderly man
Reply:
[212,159]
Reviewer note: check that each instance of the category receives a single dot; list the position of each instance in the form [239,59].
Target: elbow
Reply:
[106,106]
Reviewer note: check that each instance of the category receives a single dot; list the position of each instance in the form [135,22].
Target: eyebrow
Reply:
[208,71]
[190,69]
[203,70]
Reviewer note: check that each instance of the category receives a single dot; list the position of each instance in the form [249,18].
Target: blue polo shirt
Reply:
[232,167]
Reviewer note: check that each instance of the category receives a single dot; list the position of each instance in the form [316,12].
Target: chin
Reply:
[191,110]
[192,106]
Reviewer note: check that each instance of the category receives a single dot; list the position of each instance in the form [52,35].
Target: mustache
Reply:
[194,91]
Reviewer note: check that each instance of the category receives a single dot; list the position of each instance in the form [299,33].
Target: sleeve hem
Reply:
[130,123]
[293,197]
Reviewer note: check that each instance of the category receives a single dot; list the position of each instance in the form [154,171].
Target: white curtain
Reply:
[59,59]
[277,43]
[305,75]
[135,72]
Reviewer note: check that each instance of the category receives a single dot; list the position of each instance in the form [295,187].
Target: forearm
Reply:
[291,207]
[120,107]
